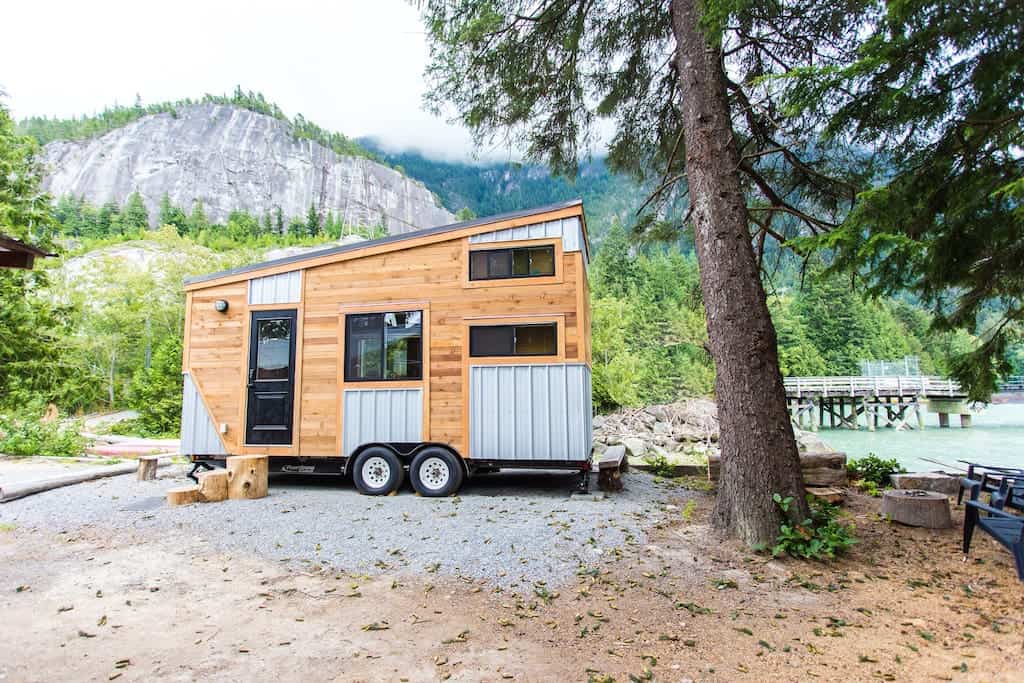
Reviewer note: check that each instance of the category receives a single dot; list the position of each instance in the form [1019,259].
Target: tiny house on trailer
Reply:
[439,353]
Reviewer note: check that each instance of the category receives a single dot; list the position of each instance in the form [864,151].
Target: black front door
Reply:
[271,378]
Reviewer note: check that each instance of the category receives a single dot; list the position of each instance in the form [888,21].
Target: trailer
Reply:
[435,354]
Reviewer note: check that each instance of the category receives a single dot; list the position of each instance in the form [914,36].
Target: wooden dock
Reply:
[880,401]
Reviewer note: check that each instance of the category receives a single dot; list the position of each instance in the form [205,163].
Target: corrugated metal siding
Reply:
[198,433]
[285,288]
[530,412]
[569,229]
[381,415]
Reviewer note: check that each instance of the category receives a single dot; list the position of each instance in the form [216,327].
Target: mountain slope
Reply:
[231,158]
[491,188]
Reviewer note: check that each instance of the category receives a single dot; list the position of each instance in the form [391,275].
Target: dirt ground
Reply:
[88,605]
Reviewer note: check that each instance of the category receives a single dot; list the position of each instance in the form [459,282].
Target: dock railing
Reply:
[872,386]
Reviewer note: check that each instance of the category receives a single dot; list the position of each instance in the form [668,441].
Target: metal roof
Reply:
[452,227]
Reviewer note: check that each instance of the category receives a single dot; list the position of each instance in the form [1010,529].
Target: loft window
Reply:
[513,340]
[384,346]
[499,264]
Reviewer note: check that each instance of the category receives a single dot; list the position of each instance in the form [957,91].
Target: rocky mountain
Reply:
[231,158]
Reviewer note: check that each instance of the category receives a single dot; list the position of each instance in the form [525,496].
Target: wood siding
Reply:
[434,272]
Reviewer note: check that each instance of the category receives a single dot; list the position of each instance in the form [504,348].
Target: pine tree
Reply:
[135,217]
[312,222]
[172,215]
[522,71]
[279,221]
[109,219]
[197,221]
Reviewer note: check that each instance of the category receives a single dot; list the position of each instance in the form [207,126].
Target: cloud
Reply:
[354,67]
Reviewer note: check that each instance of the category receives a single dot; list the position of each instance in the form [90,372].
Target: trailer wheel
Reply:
[377,471]
[436,472]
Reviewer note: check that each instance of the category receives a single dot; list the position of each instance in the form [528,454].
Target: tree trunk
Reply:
[759,453]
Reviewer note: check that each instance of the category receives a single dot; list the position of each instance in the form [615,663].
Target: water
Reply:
[996,437]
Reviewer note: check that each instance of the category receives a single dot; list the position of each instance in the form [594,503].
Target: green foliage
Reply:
[932,95]
[873,469]
[647,327]
[155,391]
[821,536]
[23,432]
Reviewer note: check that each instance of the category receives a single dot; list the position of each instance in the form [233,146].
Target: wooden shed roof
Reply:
[17,254]
[395,242]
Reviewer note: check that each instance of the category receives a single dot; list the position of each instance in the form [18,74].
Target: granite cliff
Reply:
[232,158]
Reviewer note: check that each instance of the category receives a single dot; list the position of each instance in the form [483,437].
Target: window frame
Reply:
[526,319]
[382,312]
[514,326]
[512,262]
[513,281]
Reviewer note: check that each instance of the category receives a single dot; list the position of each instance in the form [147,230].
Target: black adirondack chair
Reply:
[1001,525]
[989,476]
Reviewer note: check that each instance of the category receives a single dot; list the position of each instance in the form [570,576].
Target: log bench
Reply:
[610,466]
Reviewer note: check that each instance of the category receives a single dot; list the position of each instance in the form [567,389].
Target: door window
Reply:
[274,339]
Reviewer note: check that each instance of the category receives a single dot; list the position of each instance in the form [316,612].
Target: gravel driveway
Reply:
[510,528]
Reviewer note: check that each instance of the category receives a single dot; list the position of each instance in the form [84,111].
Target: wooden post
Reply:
[814,416]
[965,421]
[183,495]
[944,420]
[247,476]
[147,467]
[213,485]
[919,414]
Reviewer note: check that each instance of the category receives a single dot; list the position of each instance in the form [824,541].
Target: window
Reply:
[273,349]
[495,264]
[384,346]
[513,340]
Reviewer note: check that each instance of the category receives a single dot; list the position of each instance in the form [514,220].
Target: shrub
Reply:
[660,466]
[23,433]
[819,537]
[873,469]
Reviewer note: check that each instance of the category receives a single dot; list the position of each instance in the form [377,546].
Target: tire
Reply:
[436,472]
[377,471]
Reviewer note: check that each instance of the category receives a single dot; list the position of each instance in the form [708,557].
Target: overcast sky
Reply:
[351,66]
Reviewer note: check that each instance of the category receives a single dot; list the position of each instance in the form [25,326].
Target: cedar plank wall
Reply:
[215,354]
[434,273]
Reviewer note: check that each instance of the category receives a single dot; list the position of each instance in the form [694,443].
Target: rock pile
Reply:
[685,431]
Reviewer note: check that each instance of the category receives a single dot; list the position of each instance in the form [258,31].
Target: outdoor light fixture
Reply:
[220,305]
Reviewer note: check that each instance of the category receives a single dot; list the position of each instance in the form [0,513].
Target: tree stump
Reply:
[183,495]
[147,467]
[213,486]
[914,507]
[247,476]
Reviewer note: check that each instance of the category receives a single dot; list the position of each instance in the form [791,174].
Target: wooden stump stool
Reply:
[147,467]
[213,485]
[247,476]
[914,507]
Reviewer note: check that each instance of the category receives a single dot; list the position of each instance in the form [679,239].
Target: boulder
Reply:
[634,446]
[662,428]
[927,481]
[658,413]
[809,442]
